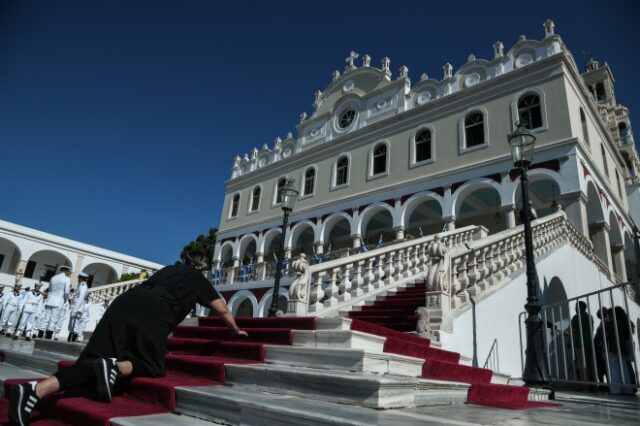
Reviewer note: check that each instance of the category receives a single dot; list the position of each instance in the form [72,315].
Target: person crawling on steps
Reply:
[131,338]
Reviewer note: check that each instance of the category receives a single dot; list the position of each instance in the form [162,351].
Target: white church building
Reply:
[385,163]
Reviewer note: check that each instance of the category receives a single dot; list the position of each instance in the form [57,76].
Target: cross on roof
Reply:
[352,57]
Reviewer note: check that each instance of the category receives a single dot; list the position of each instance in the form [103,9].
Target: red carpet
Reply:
[394,315]
[196,357]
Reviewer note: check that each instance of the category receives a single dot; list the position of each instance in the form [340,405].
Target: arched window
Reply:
[423,145]
[585,130]
[604,160]
[342,171]
[309,181]
[622,129]
[379,159]
[600,93]
[529,111]
[255,199]
[235,204]
[279,186]
[474,129]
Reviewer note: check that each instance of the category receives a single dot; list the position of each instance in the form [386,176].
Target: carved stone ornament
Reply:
[423,326]
[472,79]
[298,288]
[524,59]
[348,86]
[438,255]
[424,97]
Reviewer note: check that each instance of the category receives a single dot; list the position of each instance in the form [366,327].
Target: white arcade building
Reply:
[386,164]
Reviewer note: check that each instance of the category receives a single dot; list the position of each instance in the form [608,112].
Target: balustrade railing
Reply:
[330,285]
[110,291]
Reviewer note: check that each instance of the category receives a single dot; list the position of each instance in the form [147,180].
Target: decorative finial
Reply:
[498,49]
[366,61]
[471,58]
[277,140]
[236,162]
[404,72]
[277,145]
[386,62]
[352,57]
[424,76]
[549,28]
[289,135]
[254,154]
[336,75]
[303,116]
[318,94]
[246,157]
[265,146]
[522,38]
[448,70]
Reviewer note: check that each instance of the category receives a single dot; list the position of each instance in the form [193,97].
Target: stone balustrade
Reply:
[111,291]
[325,288]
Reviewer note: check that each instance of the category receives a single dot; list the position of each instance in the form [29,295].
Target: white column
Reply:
[602,245]
[510,215]
[618,261]
[575,205]
[399,230]
[450,222]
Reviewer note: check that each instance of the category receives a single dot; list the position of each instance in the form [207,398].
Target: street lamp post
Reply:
[288,196]
[536,371]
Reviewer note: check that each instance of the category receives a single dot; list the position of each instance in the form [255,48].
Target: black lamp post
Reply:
[536,371]
[288,196]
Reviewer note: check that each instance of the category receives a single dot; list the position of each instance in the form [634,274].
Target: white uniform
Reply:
[39,315]
[81,323]
[77,305]
[10,309]
[30,303]
[100,310]
[59,288]
[64,312]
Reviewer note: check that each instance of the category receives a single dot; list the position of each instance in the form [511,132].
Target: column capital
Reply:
[318,243]
[600,226]
[507,208]
[617,248]
[574,196]
[398,228]
[448,219]
[355,236]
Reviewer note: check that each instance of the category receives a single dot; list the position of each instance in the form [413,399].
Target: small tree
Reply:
[203,243]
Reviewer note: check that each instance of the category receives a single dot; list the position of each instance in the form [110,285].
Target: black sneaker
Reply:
[107,372]
[22,402]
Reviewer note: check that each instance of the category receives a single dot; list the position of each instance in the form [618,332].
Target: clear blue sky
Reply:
[119,120]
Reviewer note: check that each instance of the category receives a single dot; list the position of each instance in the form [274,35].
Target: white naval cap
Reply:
[83,275]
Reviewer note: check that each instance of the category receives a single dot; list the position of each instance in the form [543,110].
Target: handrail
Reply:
[494,346]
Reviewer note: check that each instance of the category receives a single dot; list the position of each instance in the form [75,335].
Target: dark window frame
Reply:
[342,171]
[423,146]
[474,129]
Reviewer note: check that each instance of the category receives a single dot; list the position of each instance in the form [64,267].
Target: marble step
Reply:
[241,407]
[345,339]
[8,371]
[45,363]
[59,347]
[161,420]
[361,389]
[353,360]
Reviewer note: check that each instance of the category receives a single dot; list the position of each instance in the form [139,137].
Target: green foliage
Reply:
[204,243]
[131,276]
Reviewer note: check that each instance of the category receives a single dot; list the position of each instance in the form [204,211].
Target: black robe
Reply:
[136,324]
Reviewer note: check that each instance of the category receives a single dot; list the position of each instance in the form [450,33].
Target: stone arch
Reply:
[270,244]
[265,302]
[544,189]
[100,274]
[422,211]
[376,219]
[595,210]
[243,297]
[247,247]
[301,238]
[44,264]
[225,253]
[336,231]
[479,203]
[10,256]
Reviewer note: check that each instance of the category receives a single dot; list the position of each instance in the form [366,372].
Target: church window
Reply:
[279,187]
[342,171]
[622,129]
[529,111]
[423,145]
[604,160]
[600,93]
[346,118]
[618,183]
[309,181]
[255,199]
[474,129]
[585,130]
[235,204]
[379,159]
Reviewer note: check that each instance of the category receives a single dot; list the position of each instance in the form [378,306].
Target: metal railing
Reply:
[584,356]
[493,360]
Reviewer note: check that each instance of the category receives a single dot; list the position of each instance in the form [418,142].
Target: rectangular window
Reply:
[30,269]
[1,260]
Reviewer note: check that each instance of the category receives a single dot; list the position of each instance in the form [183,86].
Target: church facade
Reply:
[381,160]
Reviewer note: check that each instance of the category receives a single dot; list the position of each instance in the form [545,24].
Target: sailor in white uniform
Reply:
[59,289]
[64,313]
[29,306]
[39,324]
[77,306]
[81,323]
[10,309]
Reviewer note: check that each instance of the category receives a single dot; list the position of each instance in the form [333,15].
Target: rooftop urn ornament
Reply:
[335,75]
[498,49]
[471,58]
[289,135]
[549,28]
[303,117]
[254,154]
[522,38]
[277,146]
[350,59]
[236,162]
[246,157]
[366,61]
[318,94]
[424,76]
[448,70]
[265,147]
[386,63]
[404,72]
